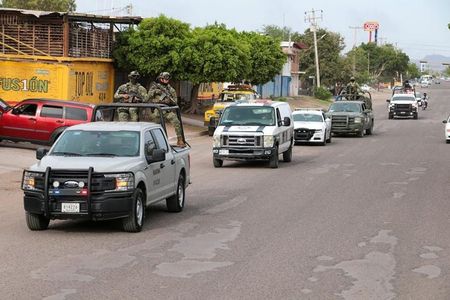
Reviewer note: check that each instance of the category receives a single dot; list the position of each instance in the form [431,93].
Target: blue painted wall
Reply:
[278,87]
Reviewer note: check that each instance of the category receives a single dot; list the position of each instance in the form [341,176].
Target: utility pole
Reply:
[311,18]
[355,28]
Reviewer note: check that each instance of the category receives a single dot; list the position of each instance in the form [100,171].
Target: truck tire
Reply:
[217,163]
[211,131]
[175,203]
[369,131]
[361,133]
[390,116]
[37,222]
[287,155]
[416,116]
[273,162]
[134,222]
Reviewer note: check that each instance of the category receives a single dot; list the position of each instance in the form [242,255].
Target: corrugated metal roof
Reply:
[76,16]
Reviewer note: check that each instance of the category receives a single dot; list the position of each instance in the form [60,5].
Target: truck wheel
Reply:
[37,222]
[416,116]
[211,131]
[217,163]
[287,155]
[361,133]
[134,222]
[369,131]
[175,203]
[390,116]
[273,162]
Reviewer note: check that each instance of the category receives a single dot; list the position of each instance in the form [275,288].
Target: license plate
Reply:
[224,151]
[70,207]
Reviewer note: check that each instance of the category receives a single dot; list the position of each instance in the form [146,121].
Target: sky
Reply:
[417,27]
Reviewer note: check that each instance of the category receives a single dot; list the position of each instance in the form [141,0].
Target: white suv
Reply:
[311,126]
[255,130]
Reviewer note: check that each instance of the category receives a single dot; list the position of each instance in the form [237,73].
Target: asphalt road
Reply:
[362,218]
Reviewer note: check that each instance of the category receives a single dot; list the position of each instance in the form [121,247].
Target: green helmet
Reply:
[134,74]
[164,75]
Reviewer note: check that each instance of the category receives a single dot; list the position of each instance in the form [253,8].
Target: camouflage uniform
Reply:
[136,93]
[165,94]
[353,90]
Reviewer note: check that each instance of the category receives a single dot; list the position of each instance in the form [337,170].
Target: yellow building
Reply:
[55,55]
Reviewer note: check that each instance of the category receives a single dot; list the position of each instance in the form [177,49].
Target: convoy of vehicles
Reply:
[311,125]
[106,170]
[233,93]
[255,130]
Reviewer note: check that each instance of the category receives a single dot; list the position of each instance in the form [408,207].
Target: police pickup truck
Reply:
[107,170]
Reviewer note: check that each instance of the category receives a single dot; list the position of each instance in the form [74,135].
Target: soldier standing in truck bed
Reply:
[130,92]
[161,92]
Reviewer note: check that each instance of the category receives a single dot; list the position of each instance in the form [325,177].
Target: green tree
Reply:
[46,5]
[379,61]
[413,70]
[153,47]
[447,71]
[333,66]
[215,54]
[281,33]
[266,57]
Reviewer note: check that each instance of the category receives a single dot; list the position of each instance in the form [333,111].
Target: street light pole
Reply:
[312,19]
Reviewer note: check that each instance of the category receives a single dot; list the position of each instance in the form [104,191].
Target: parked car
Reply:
[447,130]
[311,126]
[41,121]
[366,88]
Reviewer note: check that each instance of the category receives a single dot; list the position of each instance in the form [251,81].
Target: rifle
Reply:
[133,97]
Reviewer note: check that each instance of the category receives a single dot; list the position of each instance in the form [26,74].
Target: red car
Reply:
[41,121]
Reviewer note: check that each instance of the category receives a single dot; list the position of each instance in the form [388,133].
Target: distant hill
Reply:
[434,61]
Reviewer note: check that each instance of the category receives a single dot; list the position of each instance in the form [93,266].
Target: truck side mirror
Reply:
[388,100]
[156,156]
[41,152]
[445,122]
[286,121]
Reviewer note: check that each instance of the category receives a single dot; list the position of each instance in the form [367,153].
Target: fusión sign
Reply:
[371,26]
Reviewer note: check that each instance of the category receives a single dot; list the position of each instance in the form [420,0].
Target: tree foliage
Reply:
[413,71]
[45,5]
[266,57]
[155,46]
[281,33]
[380,62]
[447,71]
[332,64]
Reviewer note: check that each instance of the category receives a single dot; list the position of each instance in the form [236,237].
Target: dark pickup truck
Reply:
[351,117]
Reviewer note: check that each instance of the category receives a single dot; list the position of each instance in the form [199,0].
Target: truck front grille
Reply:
[341,121]
[403,107]
[242,141]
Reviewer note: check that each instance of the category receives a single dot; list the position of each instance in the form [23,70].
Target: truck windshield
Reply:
[308,118]
[248,115]
[97,143]
[345,107]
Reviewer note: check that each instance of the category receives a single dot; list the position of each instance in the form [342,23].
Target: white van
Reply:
[254,130]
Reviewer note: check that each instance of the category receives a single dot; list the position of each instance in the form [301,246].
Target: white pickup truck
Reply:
[106,170]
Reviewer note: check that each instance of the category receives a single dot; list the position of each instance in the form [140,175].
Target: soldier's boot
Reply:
[180,142]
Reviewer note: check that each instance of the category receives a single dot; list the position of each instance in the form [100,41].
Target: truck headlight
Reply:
[216,140]
[268,141]
[33,181]
[358,120]
[124,181]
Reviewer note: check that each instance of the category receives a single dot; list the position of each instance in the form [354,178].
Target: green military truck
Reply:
[351,117]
